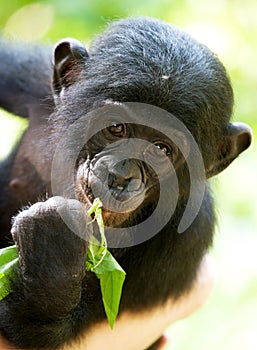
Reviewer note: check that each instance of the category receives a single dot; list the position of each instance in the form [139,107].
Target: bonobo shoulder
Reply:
[25,71]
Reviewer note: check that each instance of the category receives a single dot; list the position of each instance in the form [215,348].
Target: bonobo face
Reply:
[129,155]
[119,165]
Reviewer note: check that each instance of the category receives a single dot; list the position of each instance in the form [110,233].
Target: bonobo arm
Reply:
[48,285]
[25,77]
[25,90]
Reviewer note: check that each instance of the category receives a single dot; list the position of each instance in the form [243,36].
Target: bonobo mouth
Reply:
[119,196]
[121,199]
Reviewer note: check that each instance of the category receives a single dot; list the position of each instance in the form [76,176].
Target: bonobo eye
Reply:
[117,129]
[160,146]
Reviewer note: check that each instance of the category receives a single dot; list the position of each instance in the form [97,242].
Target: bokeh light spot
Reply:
[30,22]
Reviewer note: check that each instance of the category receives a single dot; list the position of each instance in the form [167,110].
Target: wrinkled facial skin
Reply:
[124,183]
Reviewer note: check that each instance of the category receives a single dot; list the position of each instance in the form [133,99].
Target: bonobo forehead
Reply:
[149,61]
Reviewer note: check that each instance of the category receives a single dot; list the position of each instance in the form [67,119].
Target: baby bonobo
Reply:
[142,121]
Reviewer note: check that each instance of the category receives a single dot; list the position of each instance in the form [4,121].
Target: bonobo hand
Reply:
[47,286]
[52,256]
[43,240]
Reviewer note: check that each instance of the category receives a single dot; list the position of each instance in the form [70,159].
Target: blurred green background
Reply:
[229,28]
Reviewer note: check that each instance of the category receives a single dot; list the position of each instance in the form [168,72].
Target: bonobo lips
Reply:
[114,215]
[122,189]
[122,198]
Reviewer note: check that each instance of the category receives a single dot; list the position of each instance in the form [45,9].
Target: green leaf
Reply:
[102,263]
[96,209]
[111,277]
[8,254]
[8,259]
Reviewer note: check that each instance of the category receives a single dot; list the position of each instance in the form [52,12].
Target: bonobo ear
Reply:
[237,138]
[69,56]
